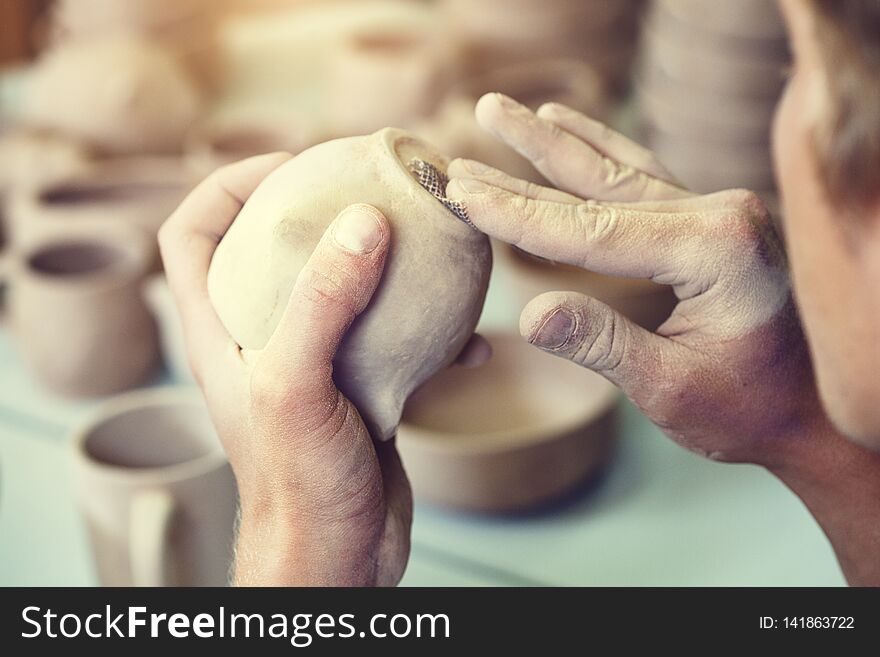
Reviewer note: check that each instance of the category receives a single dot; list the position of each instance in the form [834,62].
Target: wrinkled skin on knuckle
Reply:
[598,223]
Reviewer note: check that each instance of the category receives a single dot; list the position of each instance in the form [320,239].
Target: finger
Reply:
[589,333]
[565,160]
[461,168]
[616,240]
[335,286]
[476,352]
[188,240]
[606,141]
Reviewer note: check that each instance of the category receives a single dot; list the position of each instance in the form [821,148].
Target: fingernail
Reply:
[475,168]
[506,101]
[467,185]
[556,329]
[357,230]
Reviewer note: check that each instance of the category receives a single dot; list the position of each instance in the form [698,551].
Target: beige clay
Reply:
[432,291]
[122,95]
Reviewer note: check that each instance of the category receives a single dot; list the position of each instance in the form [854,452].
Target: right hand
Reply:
[728,375]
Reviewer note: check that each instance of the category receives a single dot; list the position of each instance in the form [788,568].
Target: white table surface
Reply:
[660,516]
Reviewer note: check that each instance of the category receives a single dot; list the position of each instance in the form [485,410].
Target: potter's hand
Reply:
[728,374]
[321,504]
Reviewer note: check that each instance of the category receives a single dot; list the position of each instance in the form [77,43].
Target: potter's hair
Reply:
[848,142]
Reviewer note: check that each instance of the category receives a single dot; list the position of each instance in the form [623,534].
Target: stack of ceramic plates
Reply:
[708,83]
[498,32]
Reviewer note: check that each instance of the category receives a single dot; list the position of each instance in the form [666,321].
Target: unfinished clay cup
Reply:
[155,491]
[171,340]
[384,77]
[140,192]
[517,433]
[77,312]
[432,290]
[120,94]
[644,302]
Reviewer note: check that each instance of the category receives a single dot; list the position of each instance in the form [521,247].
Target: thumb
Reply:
[335,285]
[589,333]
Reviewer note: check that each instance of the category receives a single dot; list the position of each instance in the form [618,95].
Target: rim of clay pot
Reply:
[604,395]
[125,250]
[394,140]
[179,397]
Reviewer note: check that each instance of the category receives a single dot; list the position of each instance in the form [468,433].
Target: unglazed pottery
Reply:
[161,304]
[77,312]
[156,492]
[512,435]
[384,77]
[140,192]
[431,292]
[122,95]
[30,160]
[647,304]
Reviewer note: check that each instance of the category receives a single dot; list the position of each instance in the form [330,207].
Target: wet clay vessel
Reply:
[432,290]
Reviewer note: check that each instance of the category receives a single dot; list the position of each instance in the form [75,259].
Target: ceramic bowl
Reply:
[647,304]
[515,434]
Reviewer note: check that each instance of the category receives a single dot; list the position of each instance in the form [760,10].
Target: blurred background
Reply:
[111,110]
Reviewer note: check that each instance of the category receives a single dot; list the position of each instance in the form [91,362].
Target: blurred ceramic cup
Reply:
[161,304]
[138,191]
[385,77]
[644,302]
[77,311]
[513,435]
[156,491]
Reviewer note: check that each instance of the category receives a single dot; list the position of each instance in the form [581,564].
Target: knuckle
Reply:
[599,223]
